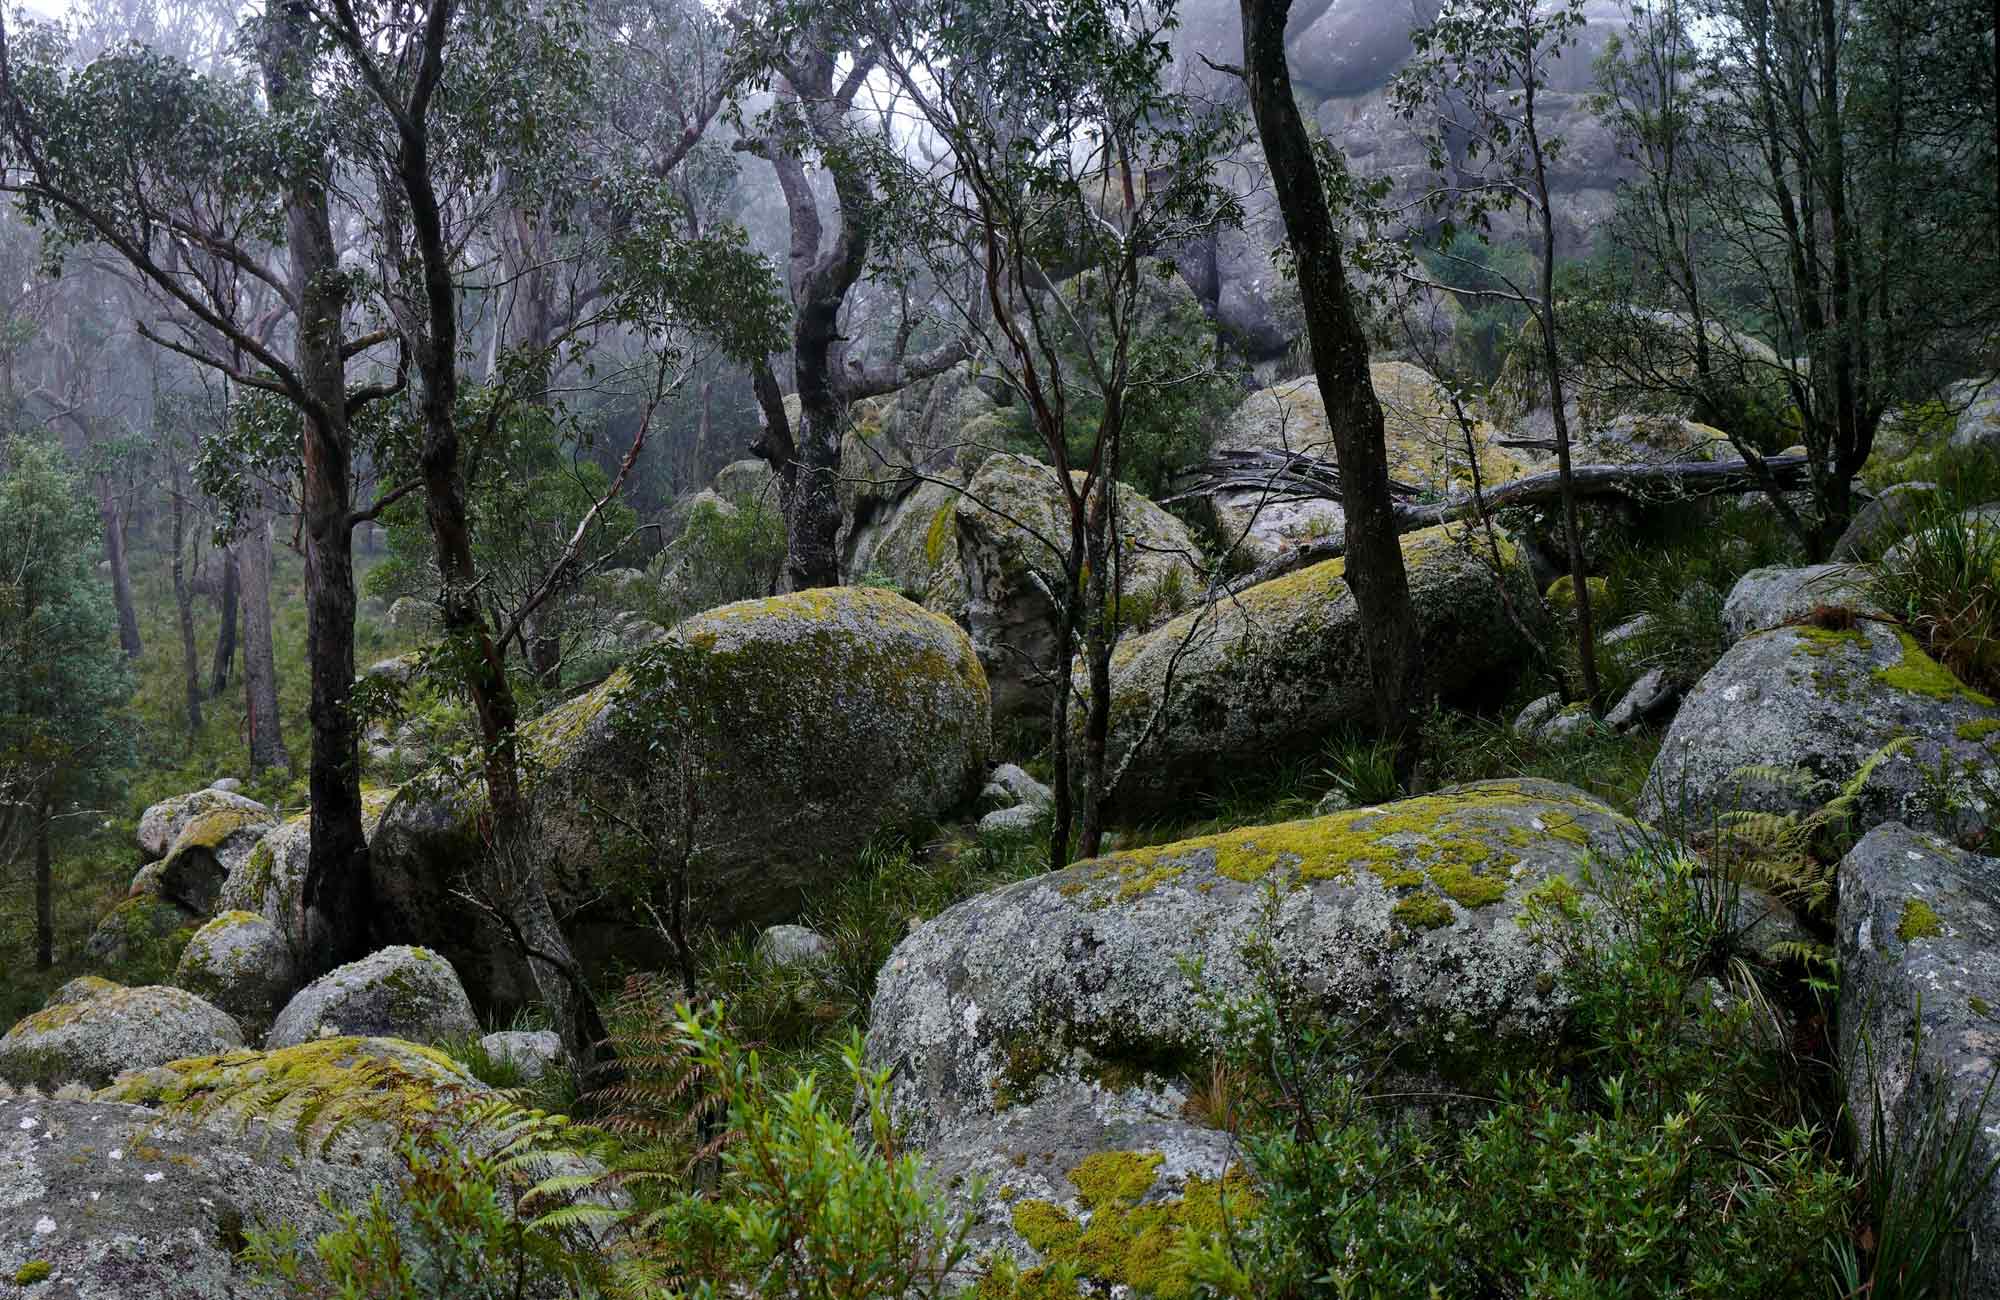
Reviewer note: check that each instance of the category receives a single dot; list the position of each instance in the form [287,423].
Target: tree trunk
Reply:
[225,636]
[121,574]
[45,917]
[184,603]
[337,889]
[1340,360]
[260,673]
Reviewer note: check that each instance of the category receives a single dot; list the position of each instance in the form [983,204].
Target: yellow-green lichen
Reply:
[1119,1237]
[1920,674]
[1979,1006]
[35,1270]
[1978,730]
[939,532]
[209,830]
[1918,921]
[1423,912]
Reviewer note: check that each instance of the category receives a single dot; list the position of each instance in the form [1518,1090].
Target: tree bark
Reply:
[45,917]
[225,636]
[337,888]
[121,573]
[260,673]
[184,602]
[1340,360]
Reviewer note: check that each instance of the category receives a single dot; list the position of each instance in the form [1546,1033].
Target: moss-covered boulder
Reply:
[81,989]
[119,1029]
[917,550]
[202,857]
[1266,674]
[1011,511]
[271,881]
[1765,598]
[1403,917]
[241,963]
[143,933]
[1426,446]
[399,992]
[1920,1002]
[1793,719]
[817,720]
[748,478]
[162,823]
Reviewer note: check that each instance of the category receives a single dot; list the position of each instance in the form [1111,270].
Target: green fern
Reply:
[1793,854]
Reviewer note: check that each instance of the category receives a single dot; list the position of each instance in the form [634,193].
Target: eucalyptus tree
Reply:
[1060,176]
[1476,85]
[191,179]
[817,60]
[1375,569]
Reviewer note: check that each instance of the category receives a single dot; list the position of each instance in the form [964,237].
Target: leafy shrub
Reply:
[721,555]
[1943,584]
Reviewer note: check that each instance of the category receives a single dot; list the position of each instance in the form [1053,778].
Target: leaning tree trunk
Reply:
[121,573]
[225,636]
[1340,360]
[260,674]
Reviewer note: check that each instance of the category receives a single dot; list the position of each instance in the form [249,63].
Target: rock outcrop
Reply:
[1404,915]
[1010,513]
[1273,669]
[399,992]
[1765,598]
[203,855]
[241,963]
[162,824]
[1919,990]
[271,881]
[1790,718]
[818,721]
[118,1029]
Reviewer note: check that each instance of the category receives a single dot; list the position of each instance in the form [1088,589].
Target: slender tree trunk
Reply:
[1100,605]
[337,887]
[260,673]
[1340,360]
[184,603]
[121,573]
[225,636]
[45,916]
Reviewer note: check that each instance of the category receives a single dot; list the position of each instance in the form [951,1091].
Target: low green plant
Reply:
[1942,582]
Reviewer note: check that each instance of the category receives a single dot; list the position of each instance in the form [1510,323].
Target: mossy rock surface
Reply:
[117,1029]
[241,963]
[1010,511]
[81,989]
[400,992]
[162,823]
[1766,598]
[119,1202]
[917,549]
[1081,975]
[143,933]
[820,721]
[271,880]
[1790,717]
[1265,675]
[208,850]
[1919,988]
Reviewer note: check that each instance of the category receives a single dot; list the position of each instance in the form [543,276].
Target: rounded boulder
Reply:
[242,964]
[117,1029]
[399,992]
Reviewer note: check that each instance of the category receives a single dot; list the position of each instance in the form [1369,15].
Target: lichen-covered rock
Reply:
[398,670]
[1010,784]
[202,857]
[1765,598]
[81,989]
[161,824]
[118,1029]
[1885,520]
[1012,507]
[143,931]
[411,615]
[271,881]
[1919,996]
[1788,718]
[1270,671]
[791,945]
[1425,443]
[242,964]
[1976,404]
[1404,915]
[824,718]
[399,992]
[107,1201]
[1105,1184]
[531,1051]
[917,549]
[749,479]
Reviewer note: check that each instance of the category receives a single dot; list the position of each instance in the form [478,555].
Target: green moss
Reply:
[1918,921]
[1561,595]
[209,830]
[1120,1238]
[1979,1006]
[939,532]
[1978,730]
[1820,641]
[35,1270]
[1423,912]
[1920,674]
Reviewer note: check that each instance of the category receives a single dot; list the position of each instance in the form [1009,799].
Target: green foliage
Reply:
[1942,582]
[721,555]
[1673,1149]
